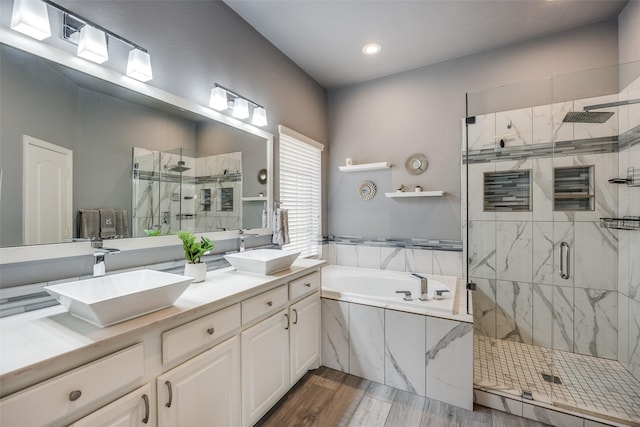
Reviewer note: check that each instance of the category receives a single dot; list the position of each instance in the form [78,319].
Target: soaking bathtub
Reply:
[378,288]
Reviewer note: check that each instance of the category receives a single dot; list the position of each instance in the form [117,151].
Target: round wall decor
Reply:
[416,164]
[367,190]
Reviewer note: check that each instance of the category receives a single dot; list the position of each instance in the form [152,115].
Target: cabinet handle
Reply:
[295,322]
[287,316]
[211,331]
[168,384]
[269,303]
[308,285]
[75,395]
[565,260]
[145,399]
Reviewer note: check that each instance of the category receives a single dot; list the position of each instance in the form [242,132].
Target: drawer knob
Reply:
[75,395]
[308,285]
[211,331]
[269,303]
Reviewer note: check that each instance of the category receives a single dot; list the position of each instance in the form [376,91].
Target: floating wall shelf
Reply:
[365,167]
[624,223]
[254,199]
[406,194]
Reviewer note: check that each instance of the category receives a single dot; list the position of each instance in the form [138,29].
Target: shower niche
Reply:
[573,188]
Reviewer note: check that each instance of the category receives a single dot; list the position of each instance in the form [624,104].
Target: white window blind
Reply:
[300,190]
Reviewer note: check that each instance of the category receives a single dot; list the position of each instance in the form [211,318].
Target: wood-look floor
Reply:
[328,398]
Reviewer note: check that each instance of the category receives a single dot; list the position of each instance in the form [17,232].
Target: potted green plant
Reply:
[193,252]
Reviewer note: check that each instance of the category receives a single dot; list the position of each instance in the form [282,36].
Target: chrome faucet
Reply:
[242,236]
[424,287]
[99,253]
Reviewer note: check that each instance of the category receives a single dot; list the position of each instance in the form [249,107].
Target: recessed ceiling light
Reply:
[371,49]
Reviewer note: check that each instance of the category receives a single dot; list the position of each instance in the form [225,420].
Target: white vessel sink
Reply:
[106,300]
[262,261]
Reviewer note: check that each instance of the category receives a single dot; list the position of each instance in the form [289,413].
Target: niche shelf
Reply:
[573,188]
[408,194]
[624,223]
[365,167]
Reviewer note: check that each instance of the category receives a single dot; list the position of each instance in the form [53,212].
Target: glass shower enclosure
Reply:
[551,175]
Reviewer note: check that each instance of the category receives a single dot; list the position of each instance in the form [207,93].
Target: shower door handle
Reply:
[565,260]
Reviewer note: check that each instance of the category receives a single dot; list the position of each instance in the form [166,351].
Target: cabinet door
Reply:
[265,366]
[132,410]
[305,335]
[203,391]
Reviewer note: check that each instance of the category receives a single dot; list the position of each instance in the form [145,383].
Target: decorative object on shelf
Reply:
[365,167]
[401,188]
[222,99]
[418,189]
[624,223]
[416,164]
[262,176]
[348,161]
[193,252]
[410,194]
[30,17]
[367,190]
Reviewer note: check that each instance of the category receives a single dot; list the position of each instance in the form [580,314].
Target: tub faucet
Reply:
[424,287]
[99,252]
[242,236]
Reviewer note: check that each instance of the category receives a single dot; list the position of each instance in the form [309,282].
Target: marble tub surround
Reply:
[443,257]
[40,344]
[423,355]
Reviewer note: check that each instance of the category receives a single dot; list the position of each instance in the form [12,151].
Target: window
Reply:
[300,190]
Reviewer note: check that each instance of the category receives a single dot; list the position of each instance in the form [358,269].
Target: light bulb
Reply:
[139,65]
[93,44]
[218,99]
[30,17]
[259,117]
[241,108]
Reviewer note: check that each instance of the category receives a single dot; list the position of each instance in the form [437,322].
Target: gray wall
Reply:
[629,33]
[193,45]
[390,118]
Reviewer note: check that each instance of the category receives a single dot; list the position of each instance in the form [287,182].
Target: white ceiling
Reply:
[325,37]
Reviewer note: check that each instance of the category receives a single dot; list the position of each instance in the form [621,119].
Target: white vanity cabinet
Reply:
[304,337]
[204,391]
[131,410]
[265,365]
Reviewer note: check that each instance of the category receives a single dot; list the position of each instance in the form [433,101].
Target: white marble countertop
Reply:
[34,340]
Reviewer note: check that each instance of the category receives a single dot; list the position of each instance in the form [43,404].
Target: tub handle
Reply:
[439,293]
[407,295]
[565,260]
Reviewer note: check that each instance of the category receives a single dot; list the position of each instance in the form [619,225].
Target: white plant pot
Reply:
[197,271]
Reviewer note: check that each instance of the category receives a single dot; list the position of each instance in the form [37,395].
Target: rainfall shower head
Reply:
[180,167]
[587,117]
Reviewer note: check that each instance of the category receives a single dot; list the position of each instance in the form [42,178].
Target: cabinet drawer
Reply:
[50,401]
[263,304]
[187,339]
[304,285]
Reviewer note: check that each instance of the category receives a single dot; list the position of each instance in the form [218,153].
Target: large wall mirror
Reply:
[73,143]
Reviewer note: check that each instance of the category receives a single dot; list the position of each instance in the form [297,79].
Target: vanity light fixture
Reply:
[93,44]
[240,108]
[223,99]
[31,18]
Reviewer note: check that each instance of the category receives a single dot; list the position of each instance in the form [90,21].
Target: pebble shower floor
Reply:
[591,384]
